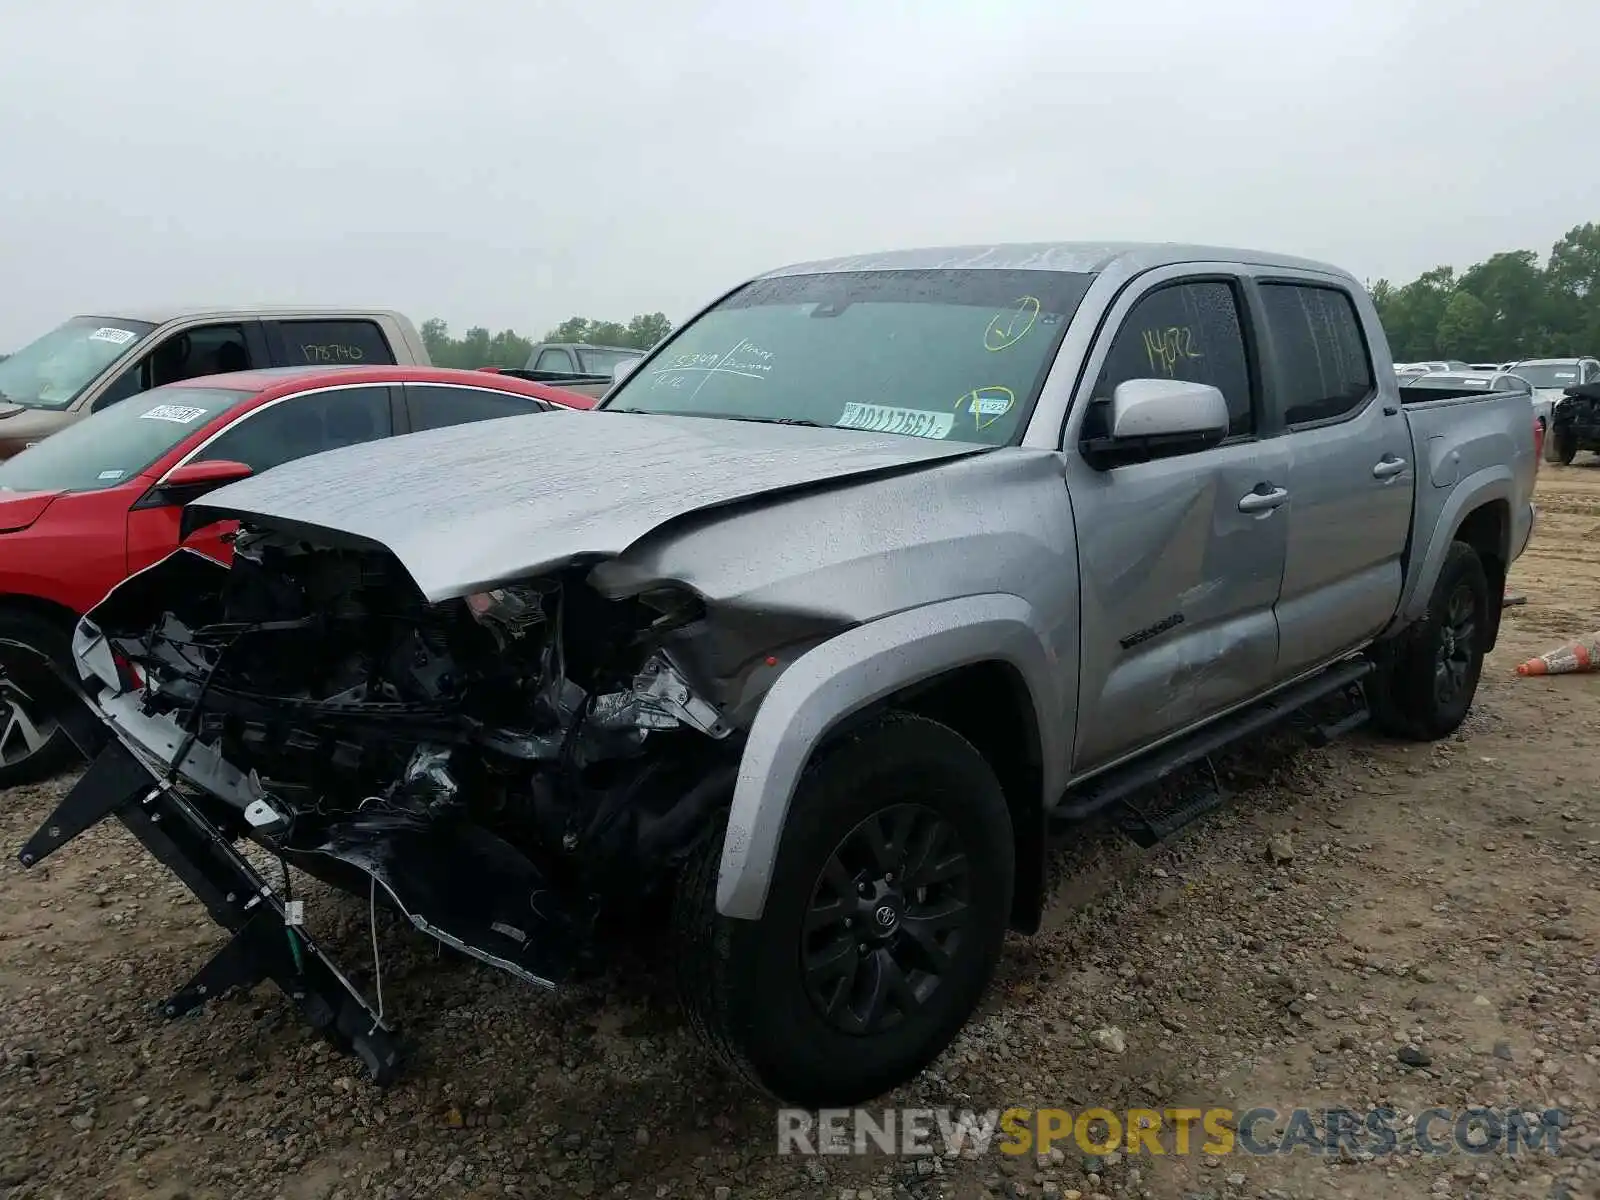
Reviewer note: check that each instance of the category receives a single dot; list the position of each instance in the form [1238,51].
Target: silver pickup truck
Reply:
[867,580]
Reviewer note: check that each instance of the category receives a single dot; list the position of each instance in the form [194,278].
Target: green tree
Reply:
[508,348]
[1506,307]
[1463,329]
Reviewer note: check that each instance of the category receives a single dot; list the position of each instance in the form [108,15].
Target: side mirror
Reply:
[623,368]
[212,473]
[1153,418]
[193,480]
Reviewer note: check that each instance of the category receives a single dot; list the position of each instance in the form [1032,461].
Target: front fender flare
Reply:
[844,675]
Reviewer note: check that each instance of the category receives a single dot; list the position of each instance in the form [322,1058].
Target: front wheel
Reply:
[886,914]
[33,746]
[1561,445]
[1425,683]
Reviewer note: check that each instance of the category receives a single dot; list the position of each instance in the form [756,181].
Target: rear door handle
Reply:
[1256,502]
[1387,467]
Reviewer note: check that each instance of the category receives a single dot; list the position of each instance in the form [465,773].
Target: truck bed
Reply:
[1459,442]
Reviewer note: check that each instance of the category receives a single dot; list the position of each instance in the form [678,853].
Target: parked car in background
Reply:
[89,363]
[1575,423]
[1552,376]
[866,578]
[103,498]
[579,358]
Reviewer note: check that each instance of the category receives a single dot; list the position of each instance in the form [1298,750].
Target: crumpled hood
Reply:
[469,506]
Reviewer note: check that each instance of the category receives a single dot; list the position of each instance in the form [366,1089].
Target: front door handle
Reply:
[1257,502]
[1388,466]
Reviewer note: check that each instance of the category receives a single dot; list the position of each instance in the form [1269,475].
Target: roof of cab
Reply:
[1084,257]
[161,314]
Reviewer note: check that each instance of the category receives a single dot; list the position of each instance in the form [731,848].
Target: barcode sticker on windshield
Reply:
[880,418]
[117,337]
[180,413]
[111,475]
[1566,374]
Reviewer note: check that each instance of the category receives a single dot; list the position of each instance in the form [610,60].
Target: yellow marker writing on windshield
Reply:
[1008,328]
[987,404]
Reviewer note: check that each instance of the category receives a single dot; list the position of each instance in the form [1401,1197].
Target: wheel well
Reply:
[1487,529]
[988,704]
[37,606]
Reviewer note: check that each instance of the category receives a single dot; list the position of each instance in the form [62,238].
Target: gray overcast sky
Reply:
[513,164]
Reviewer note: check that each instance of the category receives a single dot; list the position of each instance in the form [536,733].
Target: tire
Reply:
[1426,681]
[742,983]
[29,693]
[1561,446]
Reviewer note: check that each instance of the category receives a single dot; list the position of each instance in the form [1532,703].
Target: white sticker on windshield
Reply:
[880,418]
[1566,374]
[180,413]
[111,475]
[117,337]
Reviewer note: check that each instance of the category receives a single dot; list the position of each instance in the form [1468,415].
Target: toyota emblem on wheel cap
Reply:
[884,916]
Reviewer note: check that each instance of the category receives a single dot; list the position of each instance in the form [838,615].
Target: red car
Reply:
[87,507]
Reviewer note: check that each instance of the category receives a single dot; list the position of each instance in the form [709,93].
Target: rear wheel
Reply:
[1561,445]
[33,746]
[885,918]
[1425,682]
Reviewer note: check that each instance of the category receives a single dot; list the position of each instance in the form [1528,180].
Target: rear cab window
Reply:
[1324,368]
[111,447]
[334,342]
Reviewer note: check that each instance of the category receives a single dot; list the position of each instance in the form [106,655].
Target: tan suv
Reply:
[90,362]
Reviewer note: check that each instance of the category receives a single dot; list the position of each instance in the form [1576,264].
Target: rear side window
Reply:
[334,343]
[1187,331]
[436,407]
[1322,358]
[554,360]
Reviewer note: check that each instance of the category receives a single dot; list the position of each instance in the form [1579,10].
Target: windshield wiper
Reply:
[715,416]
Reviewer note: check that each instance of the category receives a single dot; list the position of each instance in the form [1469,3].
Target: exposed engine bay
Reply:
[498,766]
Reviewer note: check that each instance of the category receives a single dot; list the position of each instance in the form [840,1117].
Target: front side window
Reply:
[52,371]
[1187,331]
[948,354]
[436,407]
[1324,368]
[111,447]
[335,343]
[304,425]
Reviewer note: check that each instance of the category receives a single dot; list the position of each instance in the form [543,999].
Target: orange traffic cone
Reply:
[1581,655]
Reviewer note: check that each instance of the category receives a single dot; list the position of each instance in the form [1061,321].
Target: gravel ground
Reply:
[1367,924]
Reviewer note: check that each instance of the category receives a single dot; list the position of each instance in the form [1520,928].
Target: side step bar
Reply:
[267,940]
[1149,823]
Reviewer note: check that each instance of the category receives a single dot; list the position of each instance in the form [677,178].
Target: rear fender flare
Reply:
[1480,488]
[842,676]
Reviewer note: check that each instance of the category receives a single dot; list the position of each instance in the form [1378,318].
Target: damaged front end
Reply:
[499,767]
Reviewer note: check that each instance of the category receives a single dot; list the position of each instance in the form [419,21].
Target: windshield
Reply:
[115,444]
[1552,375]
[50,372]
[937,354]
[600,362]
